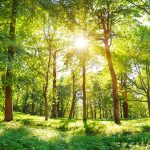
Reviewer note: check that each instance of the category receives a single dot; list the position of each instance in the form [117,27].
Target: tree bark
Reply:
[124,94]
[8,86]
[73,96]
[114,79]
[100,109]
[106,23]
[121,113]
[53,111]
[25,107]
[148,87]
[94,109]
[41,108]
[87,109]
[91,108]
[45,103]
[45,87]
[84,87]
[125,109]
[148,100]
[61,108]
[33,108]
[58,108]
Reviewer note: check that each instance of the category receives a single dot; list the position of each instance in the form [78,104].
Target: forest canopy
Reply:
[83,59]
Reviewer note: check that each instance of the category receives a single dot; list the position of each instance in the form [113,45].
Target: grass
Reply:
[28,132]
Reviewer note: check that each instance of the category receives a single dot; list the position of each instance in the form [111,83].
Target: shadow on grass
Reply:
[22,138]
[64,125]
[88,130]
[92,128]
[19,138]
[146,128]
[61,125]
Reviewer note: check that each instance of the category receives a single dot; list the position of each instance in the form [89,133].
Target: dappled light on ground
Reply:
[32,132]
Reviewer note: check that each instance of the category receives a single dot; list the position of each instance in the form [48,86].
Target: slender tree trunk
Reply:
[114,80]
[106,25]
[16,107]
[61,106]
[92,116]
[124,94]
[8,86]
[84,87]
[87,109]
[45,103]
[41,108]
[58,108]
[100,110]
[148,86]
[73,96]
[45,87]
[125,109]
[53,111]
[103,111]
[33,108]
[94,109]
[24,109]
[148,100]
[66,108]
[106,113]
[74,113]
[121,115]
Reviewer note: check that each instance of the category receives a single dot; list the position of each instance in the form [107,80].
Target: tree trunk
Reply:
[58,108]
[24,109]
[16,107]
[45,104]
[106,25]
[148,87]
[114,80]
[100,109]
[92,116]
[125,109]
[106,113]
[94,109]
[46,86]
[33,108]
[124,94]
[74,112]
[61,107]
[73,96]
[87,109]
[8,86]
[41,108]
[120,102]
[84,87]
[100,112]
[148,100]
[53,111]
[66,108]
[103,111]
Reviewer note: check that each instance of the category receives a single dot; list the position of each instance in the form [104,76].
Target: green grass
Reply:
[28,132]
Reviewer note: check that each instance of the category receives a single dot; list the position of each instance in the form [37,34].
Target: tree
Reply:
[9,77]
[124,94]
[105,19]
[53,110]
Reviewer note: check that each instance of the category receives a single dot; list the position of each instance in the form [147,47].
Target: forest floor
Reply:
[28,132]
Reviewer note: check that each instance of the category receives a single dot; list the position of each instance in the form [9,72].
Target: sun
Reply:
[80,42]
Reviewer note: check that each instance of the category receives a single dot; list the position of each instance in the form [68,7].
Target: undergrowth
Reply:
[28,132]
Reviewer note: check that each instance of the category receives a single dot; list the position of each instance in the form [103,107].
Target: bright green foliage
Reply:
[28,132]
[44,27]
